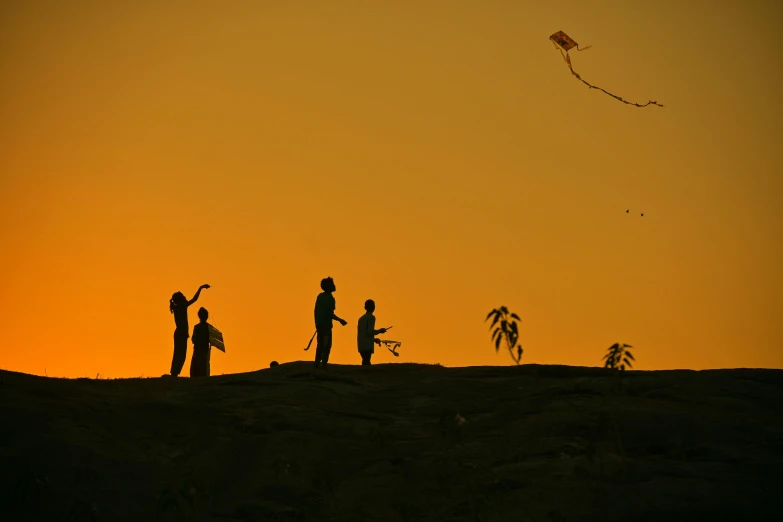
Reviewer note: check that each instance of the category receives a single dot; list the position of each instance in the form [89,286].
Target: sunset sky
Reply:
[435,156]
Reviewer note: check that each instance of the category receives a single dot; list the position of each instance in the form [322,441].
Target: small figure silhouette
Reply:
[366,333]
[199,363]
[178,305]
[273,364]
[325,306]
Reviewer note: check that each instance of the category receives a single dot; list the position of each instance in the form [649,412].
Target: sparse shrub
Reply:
[505,325]
[618,357]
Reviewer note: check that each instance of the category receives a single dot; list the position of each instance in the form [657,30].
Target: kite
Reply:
[391,346]
[563,42]
[216,338]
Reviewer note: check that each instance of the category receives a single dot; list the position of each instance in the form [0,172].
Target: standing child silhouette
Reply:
[324,315]
[199,363]
[366,333]
[178,305]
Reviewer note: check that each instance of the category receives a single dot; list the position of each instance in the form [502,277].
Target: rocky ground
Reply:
[395,442]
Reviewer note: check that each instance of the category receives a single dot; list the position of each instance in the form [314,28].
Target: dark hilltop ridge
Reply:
[396,442]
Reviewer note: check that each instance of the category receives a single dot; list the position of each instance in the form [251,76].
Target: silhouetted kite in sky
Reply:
[563,42]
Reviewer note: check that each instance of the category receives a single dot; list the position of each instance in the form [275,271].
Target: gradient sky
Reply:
[435,156]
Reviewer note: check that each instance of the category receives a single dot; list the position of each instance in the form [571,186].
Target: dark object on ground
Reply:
[273,364]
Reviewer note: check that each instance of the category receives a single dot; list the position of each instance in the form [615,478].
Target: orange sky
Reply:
[435,156]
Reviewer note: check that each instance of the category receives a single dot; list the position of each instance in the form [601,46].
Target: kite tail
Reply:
[586,48]
[567,59]
[617,97]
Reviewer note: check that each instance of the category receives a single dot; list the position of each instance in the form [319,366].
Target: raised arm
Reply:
[198,293]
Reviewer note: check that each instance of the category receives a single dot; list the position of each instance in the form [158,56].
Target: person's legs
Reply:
[327,346]
[180,352]
[196,365]
[366,358]
[319,346]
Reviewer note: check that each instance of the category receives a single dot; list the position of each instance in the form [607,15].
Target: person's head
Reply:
[203,315]
[273,364]
[369,305]
[177,299]
[327,285]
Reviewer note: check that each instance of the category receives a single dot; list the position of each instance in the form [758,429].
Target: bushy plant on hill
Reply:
[505,329]
[618,357]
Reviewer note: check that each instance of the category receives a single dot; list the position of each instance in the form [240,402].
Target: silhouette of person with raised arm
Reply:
[325,306]
[199,363]
[178,305]
[366,333]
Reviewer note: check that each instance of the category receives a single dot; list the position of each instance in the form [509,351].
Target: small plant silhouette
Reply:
[618,357]
[505,325]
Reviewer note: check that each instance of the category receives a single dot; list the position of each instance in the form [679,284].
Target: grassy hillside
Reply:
[385,443]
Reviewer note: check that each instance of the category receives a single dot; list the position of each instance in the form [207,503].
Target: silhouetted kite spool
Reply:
[392,346]
[563,42]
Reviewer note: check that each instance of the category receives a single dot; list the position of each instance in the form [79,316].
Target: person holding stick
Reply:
[325,306]
[366,333]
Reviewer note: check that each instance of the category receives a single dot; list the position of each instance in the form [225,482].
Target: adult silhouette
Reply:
[178,305]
